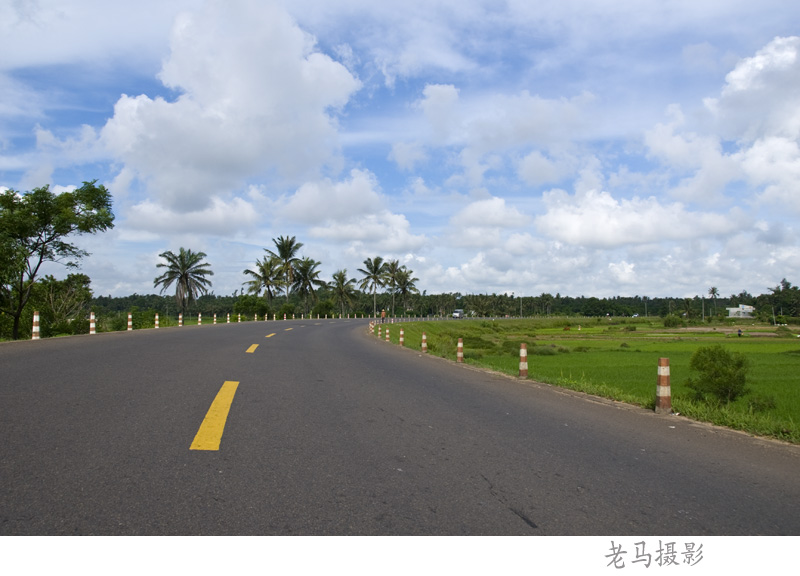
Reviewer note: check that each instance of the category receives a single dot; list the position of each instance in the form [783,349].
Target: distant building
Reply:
[743,311]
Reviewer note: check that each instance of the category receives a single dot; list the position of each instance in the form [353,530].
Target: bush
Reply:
[721,374]
[672,321]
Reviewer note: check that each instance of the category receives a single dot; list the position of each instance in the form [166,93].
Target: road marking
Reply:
[287,329]
[270,335]
[252,348]
[210,433]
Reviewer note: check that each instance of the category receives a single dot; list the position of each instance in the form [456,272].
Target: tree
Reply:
[713,292]
[306,279]
[287,249]
[721,374]
[187,270]
[392,268]
[405,285]
[374,272]
[343,289]
[267,276]
[34,227]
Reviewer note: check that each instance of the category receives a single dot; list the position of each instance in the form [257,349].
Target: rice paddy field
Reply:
[618,359]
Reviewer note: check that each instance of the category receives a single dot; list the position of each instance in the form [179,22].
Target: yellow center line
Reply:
[210,433]
[252,348]
[287,329]
[270,335]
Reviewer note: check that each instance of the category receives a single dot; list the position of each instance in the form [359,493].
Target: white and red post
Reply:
[663,392]
[424,343]
[93,324]
[402,339]
[156,320]
[460,351]
[35,335]
[523,360]
[130,321]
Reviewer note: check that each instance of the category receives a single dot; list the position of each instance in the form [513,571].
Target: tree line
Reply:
[35,228]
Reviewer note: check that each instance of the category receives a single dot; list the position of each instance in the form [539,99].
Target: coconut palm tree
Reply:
[286,252]
[392,268]
[343,289]
[188,271]
[405,285]
[306,279]
[374,272]
[267,276]
[713,292]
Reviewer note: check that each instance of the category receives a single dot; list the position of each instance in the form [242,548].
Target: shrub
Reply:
[672,321]
[721,374]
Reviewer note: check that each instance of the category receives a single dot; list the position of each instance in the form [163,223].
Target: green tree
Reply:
[374,272]
[392,269]
[307,280]
[286,251]
[188,272]
[405,285]
[714,293]
[64,304]
[720,374]
[267,276]
[34,227]
[343,289]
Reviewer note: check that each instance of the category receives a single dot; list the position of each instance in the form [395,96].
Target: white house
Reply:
[743,311]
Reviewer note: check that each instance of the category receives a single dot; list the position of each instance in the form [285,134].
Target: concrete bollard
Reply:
[284,316]
[424,343]
[199,318]
[35,334]
[460,351]
[523,360]
[239,318]
[156,321]
[663,392]
[130,321]
[402,339]
[387,333]
[180,319]
[93,324]
[215,318]
[229,317]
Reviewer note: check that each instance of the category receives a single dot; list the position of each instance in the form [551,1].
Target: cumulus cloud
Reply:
[351,212]
[597,219]
[255,98]
[217,218]
[482,223]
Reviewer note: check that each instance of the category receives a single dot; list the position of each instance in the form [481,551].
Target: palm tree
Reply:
[343,289]
[405,284]
[392,268]
[187,270]
[306,278]
[713,292]
[374,276]
[267,276]
[287,254]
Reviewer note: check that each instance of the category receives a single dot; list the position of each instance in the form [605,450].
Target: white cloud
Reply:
[597,219]
[256,99]
[218,218]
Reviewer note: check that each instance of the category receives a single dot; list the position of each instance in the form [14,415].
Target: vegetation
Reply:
[34,228]
[721,374]
[188,272]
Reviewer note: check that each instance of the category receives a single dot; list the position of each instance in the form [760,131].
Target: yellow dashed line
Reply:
[210,433]
[270,335]
[252,348]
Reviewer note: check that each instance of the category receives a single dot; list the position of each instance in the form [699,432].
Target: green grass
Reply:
[618,359]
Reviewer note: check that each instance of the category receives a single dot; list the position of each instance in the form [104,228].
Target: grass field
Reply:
[618,359]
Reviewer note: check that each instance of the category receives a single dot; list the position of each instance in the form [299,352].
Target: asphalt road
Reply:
[333,432]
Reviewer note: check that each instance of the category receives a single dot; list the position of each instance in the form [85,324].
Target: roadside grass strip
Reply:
[209,435]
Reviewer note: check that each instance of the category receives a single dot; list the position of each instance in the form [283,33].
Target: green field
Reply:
[618,359]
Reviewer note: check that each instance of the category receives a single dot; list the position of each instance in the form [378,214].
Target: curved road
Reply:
[333,432]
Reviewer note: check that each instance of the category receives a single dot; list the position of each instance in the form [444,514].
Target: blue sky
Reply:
[586,148]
